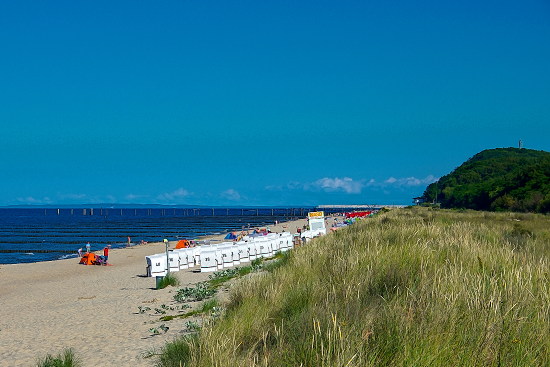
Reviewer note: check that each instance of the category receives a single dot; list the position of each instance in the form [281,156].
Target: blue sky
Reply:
[262,103]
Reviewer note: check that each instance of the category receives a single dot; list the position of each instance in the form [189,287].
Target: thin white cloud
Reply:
[274,188]
[231,194]
[411,181]
[135,197]
[345,184]
[178,194]
[74,197]
[292,185]
[31,200]
[351,186]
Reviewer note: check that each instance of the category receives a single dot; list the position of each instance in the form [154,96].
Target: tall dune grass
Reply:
[412,287]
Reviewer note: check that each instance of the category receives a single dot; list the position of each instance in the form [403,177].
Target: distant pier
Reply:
[291,212]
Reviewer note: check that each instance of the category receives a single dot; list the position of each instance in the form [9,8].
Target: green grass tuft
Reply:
[65,359]
[169,279]
[177,353]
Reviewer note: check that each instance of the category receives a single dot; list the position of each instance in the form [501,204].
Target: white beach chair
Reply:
[208,260]
[156,265]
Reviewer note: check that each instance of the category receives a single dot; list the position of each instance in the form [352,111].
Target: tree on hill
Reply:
[497,179]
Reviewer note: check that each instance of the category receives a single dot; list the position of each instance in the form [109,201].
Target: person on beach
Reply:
[129,241]
[106,254]
[80,252]
[88,248]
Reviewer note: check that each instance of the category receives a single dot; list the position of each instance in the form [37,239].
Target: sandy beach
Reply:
[49,306]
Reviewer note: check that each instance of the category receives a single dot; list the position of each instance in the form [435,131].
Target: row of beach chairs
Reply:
[219,256]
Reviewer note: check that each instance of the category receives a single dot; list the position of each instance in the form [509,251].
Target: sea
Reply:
[30,235]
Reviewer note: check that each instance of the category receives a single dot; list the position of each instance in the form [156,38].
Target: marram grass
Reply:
[65,359]
[412,287]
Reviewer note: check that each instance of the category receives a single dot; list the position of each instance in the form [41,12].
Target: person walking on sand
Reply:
[88,248]
[80,252]
[129,241]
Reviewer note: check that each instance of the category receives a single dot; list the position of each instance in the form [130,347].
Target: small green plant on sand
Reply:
[143,309]
[210,305]
[65,359]
[156,331]
[198,293]
[192,326]
[169,279]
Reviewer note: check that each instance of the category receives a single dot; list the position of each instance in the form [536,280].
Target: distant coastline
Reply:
[147,206]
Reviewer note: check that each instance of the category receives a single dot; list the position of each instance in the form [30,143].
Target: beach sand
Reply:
[49,306]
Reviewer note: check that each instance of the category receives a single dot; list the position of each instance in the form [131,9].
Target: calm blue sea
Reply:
[34,234]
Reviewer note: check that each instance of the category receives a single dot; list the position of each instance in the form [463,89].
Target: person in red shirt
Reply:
[106,253]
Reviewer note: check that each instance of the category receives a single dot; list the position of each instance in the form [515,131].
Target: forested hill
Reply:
[497,179]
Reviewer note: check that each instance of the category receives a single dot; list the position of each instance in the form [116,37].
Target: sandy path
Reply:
[48,306]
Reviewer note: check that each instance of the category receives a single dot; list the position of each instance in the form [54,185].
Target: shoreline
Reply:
[52,305]
[70,250]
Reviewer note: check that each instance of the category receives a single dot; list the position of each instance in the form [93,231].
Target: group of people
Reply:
[103,258]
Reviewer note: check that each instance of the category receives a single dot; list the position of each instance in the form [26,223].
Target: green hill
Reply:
[497,179]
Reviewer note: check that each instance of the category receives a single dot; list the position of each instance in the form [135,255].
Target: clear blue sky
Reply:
[262,103]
